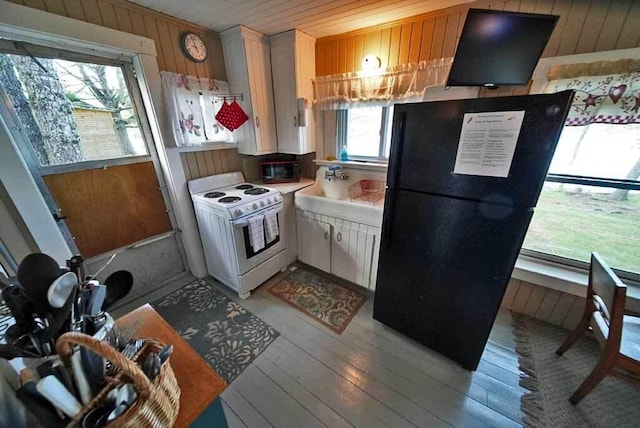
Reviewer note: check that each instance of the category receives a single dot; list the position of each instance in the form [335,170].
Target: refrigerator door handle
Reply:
[397,139]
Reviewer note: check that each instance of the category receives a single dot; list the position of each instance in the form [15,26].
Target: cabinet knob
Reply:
[339,236]
[257,122]
[295,121]
[326,234]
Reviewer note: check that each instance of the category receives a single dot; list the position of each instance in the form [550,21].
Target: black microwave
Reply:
[280,172]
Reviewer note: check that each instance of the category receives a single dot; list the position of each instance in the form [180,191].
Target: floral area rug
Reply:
[225,334]
[331,304]
[551,379]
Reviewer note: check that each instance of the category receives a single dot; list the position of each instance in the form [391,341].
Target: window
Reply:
[365,132]
[72,111]
[591,199]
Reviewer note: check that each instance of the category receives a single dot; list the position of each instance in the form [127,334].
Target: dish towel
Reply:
[256,233]
[271,226]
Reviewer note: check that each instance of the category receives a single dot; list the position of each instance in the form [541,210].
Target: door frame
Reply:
[29,25]
[25,149]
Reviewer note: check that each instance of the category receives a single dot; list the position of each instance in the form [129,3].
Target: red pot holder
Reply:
[231,116]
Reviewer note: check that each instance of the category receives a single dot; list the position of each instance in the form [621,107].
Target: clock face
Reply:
[194,47]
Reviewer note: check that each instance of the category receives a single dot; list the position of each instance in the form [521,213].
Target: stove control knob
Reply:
[262,203]
[238,211]
[255,206]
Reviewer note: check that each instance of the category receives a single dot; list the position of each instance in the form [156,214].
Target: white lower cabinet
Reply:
[343,248]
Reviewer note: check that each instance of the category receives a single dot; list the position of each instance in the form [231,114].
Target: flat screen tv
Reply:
[499,48]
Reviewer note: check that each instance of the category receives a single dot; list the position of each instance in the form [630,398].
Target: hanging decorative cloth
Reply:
[231,116]
[606,91]
[192,104]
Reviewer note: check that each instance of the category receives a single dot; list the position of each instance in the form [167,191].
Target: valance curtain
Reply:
[192,119]
[606,91]
[401,83]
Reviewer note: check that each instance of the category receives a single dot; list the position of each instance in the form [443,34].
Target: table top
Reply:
[199,384]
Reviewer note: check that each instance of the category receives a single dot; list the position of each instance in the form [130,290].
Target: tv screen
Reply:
[499,48]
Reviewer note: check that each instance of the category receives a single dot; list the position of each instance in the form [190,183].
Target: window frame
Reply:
[342,130]
[126,65]
[586,181]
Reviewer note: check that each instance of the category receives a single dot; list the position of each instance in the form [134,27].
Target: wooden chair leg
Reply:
[582,326]
[598,373]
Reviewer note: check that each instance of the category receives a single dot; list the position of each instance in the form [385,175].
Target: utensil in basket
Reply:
[158,401]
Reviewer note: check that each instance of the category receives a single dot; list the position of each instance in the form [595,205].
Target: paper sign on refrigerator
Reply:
[488,142]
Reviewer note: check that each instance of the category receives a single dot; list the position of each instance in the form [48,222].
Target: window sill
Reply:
[207,146]
[372,166]
[565,279]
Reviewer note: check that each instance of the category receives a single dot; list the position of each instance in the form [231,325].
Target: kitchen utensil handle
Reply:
[55,392]
[82,383]
[103,349]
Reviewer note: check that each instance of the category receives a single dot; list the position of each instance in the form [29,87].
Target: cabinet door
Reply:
[259,69]
[283,68]
[314,242]
[353,252]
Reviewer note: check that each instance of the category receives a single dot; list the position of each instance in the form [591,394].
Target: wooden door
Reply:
[109,208]
[314,242]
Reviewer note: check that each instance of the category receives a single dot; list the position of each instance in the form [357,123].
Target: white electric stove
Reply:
[224,206]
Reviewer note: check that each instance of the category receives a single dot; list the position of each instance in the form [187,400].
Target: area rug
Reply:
[327,302]
[551,379]
[225,334]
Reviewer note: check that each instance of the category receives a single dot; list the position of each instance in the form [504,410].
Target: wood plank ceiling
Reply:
[318,18]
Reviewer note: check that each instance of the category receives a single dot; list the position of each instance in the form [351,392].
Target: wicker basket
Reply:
[158,401]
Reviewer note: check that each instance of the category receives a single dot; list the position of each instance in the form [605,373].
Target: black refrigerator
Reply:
[464,177]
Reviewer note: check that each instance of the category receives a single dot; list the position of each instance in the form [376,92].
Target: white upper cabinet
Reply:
[246,59]
[293,62]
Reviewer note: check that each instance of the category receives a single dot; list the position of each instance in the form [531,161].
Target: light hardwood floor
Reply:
[369,376]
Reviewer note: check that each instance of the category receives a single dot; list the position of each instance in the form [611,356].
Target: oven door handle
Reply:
[242,222]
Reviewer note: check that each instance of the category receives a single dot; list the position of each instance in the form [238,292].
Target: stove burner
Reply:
[229,199]
[244,186]
[256,191]
[214,194]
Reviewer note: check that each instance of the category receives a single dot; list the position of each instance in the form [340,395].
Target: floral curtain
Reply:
[606,91]
[192,119]
[404,83]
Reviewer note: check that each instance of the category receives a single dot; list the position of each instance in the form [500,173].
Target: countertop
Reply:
[285,188]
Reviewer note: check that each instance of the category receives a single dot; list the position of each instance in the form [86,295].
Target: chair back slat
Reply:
[605,284]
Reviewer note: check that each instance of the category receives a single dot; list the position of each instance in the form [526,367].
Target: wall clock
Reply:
[193,46]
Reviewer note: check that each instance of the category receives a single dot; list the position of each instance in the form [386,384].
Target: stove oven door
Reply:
[247,257]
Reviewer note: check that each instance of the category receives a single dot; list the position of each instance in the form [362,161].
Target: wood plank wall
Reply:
[584,26]
[546,304]
[131,18]
[202,164]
